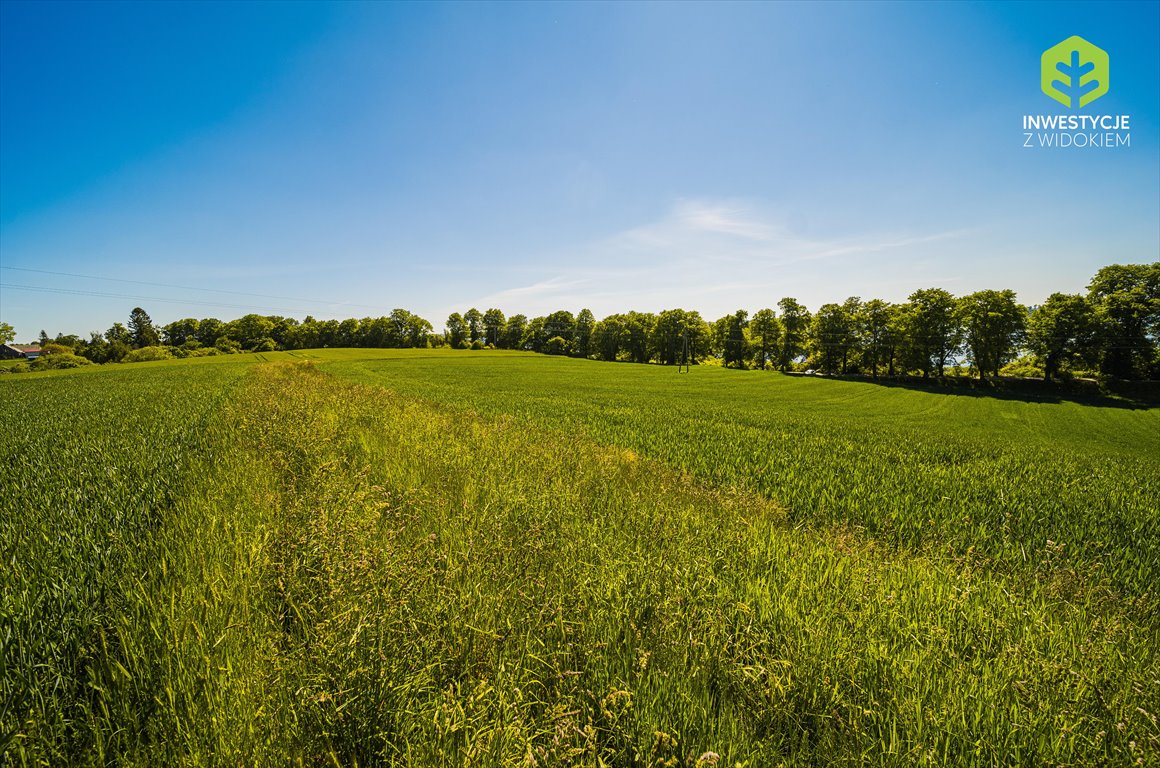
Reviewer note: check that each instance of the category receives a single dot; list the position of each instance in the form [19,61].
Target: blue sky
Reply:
[346,159]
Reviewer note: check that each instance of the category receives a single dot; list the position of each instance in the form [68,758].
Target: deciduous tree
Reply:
[638,327]
[1063,331]
[1127,299]
[585,325]
[765,330]
[993,323]
[456,330]
[473,319]
[678,332]
[180,331]
[560,323]
[931,330]
[732,338]
[608,337]
[795,322]
[493,326]
[830,334]
[251,330]
[879,324]
[211,329]
[118,333]
[515,332]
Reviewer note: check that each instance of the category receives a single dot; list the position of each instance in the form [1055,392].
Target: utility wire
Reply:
[185,287]
[102,294]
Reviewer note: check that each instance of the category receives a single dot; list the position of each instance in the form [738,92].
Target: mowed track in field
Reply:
[509,560]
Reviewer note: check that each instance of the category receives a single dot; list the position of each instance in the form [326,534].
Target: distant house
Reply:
[14,351]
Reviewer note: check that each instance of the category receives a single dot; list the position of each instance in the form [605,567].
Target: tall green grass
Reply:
[926,470]
[91,470]
[303,570]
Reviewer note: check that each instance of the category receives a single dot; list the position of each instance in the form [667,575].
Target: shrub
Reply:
[59,360]
[1025,367]
[56,349]
[557,345]
[477,344]
[227,345]
[117,351]
[147,354]
[17,368]
[265,345]
[1078,373]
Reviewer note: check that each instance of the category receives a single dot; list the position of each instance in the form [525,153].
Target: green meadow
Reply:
[449,558]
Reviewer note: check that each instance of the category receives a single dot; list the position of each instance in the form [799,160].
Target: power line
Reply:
[102,294]
[185,287]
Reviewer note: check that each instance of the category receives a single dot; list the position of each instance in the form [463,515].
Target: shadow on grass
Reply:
[1131,395]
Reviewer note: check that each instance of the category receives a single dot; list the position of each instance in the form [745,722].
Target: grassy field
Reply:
[995,477]
[498,559]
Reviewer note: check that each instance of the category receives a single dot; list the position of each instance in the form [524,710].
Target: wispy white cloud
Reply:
[723,218]
[736,231]
[697,223]
[713,256]
[876,245]
[550,287]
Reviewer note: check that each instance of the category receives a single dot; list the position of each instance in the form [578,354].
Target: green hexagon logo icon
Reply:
[1074,72]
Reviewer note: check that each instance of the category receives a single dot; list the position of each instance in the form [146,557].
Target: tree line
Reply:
[250,333]
[1113,329]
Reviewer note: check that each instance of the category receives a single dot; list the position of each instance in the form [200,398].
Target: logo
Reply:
[1074,72]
